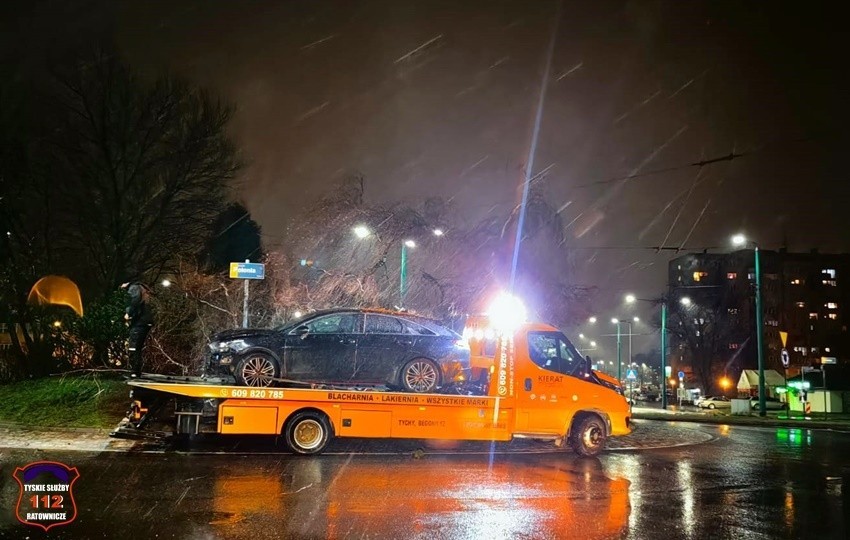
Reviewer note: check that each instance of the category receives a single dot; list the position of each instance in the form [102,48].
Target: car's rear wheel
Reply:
[256,369]
[420,375]
[711,405]
[307,432]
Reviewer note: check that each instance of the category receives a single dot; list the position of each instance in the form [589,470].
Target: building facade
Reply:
[806,295]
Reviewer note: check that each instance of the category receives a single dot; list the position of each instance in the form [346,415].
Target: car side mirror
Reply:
[302,332]
[588,364]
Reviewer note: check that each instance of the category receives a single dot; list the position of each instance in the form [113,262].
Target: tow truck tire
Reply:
[420,376]
[307,432]
[587,437]
[256,369]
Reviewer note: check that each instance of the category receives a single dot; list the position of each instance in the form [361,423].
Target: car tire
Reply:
[256,369]
[711,405]
[307,432]
[420,376]
[587,437]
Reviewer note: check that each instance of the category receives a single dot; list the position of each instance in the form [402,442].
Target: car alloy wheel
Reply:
[257,370]
[420,376]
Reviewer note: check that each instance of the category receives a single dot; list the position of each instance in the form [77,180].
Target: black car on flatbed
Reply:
[345,347]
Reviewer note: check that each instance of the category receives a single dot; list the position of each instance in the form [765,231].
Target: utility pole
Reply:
[664,354]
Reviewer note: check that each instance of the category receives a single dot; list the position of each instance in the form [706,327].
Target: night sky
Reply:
[437,98]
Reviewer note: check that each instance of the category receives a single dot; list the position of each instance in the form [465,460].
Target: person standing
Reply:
[140,319]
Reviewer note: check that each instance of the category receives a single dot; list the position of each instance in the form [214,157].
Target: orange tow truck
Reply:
[537,385]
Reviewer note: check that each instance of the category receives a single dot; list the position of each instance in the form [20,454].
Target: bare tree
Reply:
[142,171]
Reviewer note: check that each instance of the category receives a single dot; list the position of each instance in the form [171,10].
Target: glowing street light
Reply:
[361,231]
[297,314]
[636,319]
[581,336]
[593,344]
[615,320]
[630,299]
[685,301]
[410,243]
[166,283]
[438,232]
[592,320]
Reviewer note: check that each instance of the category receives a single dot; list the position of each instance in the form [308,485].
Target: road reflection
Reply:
[452,497]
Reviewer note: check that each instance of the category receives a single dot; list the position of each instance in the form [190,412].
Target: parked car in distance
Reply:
[771,404]
[344,347]
[715,402]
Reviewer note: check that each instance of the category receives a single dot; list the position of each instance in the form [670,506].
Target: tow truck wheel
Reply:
[587,438]
[307,432]
[420,375]
[256,369]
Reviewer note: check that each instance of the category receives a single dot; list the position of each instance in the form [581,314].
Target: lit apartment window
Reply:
[731,275]
[733,346]
[801,304]
[831,305]
[813,316]
[830,282]
[814,350]
[732,311]
[772,323]
[829,272]
[698,276]
[833,316]
[751,276]
[826,349]
[796,281]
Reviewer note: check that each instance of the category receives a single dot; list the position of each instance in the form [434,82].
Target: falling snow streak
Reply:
[641,104]
[418,49]
[318,42]
[311,112]
[571,70]
[687,84]
[499,62]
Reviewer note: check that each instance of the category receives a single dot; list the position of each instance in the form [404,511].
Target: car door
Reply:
[383,348]
[327,351]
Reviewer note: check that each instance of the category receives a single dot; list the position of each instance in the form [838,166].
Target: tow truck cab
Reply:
[535,385]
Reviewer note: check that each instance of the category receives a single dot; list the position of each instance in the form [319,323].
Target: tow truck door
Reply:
[544,397]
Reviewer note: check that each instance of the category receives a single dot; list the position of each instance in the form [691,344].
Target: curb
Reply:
[54,429]
[744,421]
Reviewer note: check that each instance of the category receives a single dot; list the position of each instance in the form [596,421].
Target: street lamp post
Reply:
[630,299]
[402,285]
[740,240]
[620,346]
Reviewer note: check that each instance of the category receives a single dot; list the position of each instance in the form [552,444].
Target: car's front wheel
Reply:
[420,375]
[587,437]
[256,369]
[711,405]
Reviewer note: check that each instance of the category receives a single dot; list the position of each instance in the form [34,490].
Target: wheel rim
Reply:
[420,376]
[592,437]
[258,371]
[308,434]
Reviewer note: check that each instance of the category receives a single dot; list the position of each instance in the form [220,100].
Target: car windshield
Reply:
[554,352]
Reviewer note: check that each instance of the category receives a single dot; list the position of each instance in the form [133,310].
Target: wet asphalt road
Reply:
[720,482]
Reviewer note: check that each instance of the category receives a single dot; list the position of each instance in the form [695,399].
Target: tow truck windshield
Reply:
[554,352]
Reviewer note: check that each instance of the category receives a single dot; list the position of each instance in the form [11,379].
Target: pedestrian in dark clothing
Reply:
[140,318]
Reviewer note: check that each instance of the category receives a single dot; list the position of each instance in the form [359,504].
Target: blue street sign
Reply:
[247,270]
[631,374]
[681,374]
